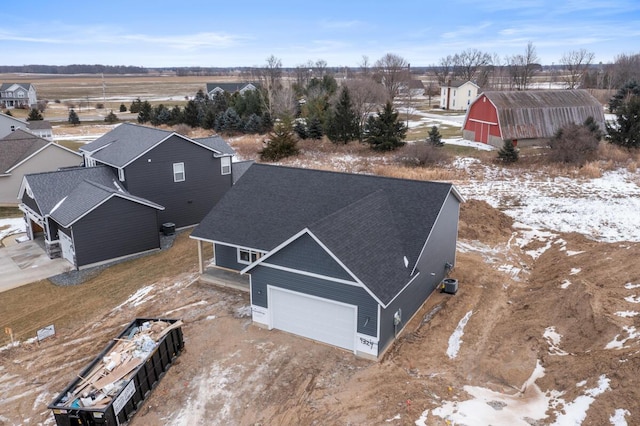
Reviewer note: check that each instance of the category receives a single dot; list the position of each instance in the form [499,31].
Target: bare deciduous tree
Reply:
[523,67]
[365,65]
[469,63]
[271,79]
[444,69]
[367,96]
[576,64]
[392,72]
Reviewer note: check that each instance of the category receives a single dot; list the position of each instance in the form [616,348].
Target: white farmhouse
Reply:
[458,95]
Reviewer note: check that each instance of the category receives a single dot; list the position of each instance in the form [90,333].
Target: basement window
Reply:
[248,256]
[178,172]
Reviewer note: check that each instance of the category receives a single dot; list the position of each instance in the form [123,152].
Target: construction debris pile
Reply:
[101,384]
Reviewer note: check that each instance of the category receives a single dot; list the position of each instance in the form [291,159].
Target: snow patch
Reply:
[553,340]
[619,344]
[630,286]
[575,411]
[565,284]
[627,314]
[14,225]
[575,271]
[456,338]
[137,298]
[618,417]
[632,299]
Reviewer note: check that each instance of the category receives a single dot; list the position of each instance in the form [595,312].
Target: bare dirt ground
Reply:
[232,372]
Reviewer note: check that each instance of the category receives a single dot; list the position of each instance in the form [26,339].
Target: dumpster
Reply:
[111,389]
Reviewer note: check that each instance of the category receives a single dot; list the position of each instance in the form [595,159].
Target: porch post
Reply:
[200,262]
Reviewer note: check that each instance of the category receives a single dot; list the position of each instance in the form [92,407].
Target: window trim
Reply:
[177,172]
[225,163]
[120,175]
[252,255]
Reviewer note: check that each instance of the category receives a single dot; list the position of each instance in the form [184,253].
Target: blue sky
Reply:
[211,33]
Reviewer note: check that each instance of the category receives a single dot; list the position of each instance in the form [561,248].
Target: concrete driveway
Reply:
[25,263]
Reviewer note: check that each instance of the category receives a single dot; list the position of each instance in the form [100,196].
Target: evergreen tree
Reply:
[73,117]
[253,124]
[231,121]
[123,108]
[508,153]
[267,122]
[145,113]
[343,124]
[111,118]
[630,89]
[190,114]
[593,127]
[626,131]
[176,115]
[135,106]
[281,143]
[384,132]
[435,138]
[315,128]
[301,128]
[34,115]
[160,115]
[209,121]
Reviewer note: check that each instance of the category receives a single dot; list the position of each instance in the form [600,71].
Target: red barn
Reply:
[527,117]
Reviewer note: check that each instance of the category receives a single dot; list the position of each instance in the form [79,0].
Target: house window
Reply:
[225,163]
[13,128]
[469,92]
[248,256]
[454,102]
[454,93]
[178,172]
[121,175]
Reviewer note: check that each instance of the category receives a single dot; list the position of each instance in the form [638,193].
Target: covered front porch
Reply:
[212,274]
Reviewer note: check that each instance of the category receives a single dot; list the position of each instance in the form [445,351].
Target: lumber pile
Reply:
[102,383]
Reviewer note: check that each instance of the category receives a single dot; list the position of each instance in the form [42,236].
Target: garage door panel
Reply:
[316,318]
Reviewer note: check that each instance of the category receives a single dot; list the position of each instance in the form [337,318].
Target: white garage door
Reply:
[318,319]
[66,245]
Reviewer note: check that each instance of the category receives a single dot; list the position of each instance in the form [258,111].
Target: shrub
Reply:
[123,108]
[573,144]
[422,154]
[111,118]
[508,153]
[99,105]
[435,138]
[282,142]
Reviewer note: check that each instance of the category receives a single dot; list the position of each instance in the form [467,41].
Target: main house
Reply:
[231,88]
[18,95]
[340,258]
[135,181]
[22,153]
[186,176]
[457,95]
[527,117]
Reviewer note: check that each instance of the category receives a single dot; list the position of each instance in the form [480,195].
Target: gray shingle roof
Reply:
[239,168]
[216,143]
[17,146]
[39,125]
[6,86]
[369,222]
[540,113]
[229,87]
[85,197]
[129,141]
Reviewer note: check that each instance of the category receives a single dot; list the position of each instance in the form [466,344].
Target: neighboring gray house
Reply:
[87,217]
[9,124]
[18,95]
[41,128]
[231,88]
[22,153]
[341,258]
[186,176]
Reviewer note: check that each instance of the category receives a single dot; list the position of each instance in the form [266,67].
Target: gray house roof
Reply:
[369,222]
[39,125]
[216,143]
[85,197]
[239,168]
[6,86]
[127,142]
[17,146]
[68,194]
[230,87]
[537,114]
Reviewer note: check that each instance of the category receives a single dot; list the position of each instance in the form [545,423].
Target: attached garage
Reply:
[319,319]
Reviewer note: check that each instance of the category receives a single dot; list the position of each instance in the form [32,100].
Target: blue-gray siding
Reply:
[261,276]
[30,202]
[116,228]
[187,202]
[440,249]
[305,254]
[227,257]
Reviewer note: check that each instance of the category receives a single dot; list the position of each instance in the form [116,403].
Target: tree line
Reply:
[73,69]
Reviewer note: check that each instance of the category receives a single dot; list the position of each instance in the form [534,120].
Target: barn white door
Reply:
[313,317]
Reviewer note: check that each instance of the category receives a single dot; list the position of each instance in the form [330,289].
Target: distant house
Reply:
[18,95]
[22,153]
[41,128]
[9,124]
[231,88]
[343,259]
[527,117]
[186,176]
[458,95]
[85,216]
